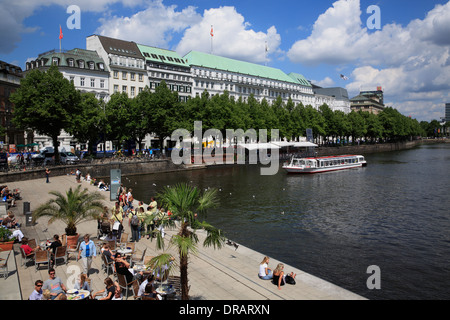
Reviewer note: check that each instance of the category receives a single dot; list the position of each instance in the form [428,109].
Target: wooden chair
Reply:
[138,258]
[4,267]
[121,279]
[112,245]
[61,253]
[32,243]
[135,288]
[124,237]
[25,257]
[107,265]
[41,257]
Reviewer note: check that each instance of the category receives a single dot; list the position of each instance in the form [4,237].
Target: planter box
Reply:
[6,246]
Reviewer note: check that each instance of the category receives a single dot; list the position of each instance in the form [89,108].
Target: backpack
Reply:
[134,220]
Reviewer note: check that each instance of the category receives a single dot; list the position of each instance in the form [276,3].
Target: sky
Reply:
[401,45]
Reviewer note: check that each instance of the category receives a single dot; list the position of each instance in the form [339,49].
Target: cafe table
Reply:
[75,294]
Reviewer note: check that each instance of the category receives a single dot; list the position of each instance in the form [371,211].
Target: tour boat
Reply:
[324,164]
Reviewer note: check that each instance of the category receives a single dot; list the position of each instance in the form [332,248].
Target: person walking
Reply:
[87,251]
[47,174]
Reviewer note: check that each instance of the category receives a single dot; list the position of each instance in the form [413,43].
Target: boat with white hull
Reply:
[324,164]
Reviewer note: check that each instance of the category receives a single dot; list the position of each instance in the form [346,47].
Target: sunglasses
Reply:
[39,285]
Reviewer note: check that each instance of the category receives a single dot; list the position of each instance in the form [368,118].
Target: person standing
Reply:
[47,174]
[87,251]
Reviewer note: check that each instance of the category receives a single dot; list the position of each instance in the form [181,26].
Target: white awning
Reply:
[294,144]
[258,146]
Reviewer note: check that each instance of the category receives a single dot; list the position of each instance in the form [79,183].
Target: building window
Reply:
[132,76]
[116,74]
[116,88]
[132,92]
[91,65]
[82,82]
[124,75]
[141,77]
[124,89]
[81,64]
[72,79]
[71,63]
[55,61]
[102,84]
[92,82]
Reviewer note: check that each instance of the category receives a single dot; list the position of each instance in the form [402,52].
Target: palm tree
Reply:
[72,208]
[187,204]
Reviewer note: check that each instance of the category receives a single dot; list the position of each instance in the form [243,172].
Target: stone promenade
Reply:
[225,274]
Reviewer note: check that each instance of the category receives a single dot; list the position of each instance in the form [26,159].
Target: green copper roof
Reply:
[301,79]
[75,54]
[195,58]
[162,56]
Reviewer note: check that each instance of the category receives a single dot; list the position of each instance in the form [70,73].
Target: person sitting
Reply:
[106,250]
[122,266]
[26,248]
[37,293]
[280,279]
[265,273]
[55,285]
[10,221]
[150,292]
[148,279]
[82,283]
[108,292]
[52,248]
[102,185]
[87,177]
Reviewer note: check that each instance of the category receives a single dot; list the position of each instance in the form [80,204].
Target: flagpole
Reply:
[212,36]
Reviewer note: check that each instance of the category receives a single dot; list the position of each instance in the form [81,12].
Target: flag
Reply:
[344,77]
[267,47]
[212,32]
[60,33]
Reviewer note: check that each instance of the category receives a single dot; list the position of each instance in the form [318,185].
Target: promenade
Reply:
[225,274]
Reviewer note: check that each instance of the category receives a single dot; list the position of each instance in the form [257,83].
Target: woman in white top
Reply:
[265,273]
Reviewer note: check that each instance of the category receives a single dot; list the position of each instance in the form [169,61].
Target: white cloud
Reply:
[13,14]
[153,26]
[232,36]
[327,82]
[403,60]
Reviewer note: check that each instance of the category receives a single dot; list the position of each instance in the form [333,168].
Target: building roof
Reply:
[300,78]
[363,100]
[200,59]
[75,54]
[162,56]
[336,92]
[10,68]
[120,47]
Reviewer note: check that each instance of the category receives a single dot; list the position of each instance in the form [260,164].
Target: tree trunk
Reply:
[55,148]
[184,232]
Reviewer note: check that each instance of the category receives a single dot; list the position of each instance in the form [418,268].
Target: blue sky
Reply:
[409,56]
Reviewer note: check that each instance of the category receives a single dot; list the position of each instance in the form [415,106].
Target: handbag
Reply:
[290,280]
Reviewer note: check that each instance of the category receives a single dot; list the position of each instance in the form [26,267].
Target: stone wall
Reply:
[95,170]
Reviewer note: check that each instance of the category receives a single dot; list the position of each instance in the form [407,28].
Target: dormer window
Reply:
[81,64]
[91,65]
[71,63]
[101,66]
[55,61]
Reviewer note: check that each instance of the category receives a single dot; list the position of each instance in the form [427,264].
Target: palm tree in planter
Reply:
[72,208]
[187,204]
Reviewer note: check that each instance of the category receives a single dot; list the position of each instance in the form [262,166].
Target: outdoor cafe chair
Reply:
[41,257]
[121,279]
[124,237]
[24,257]
[4,266]
[61,253]
[137,258]
[32,243]
[107,265]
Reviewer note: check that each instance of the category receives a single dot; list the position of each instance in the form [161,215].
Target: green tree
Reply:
[90,122]
[118,116]
[357,123]
[187,205]
[72,208]
[46,102]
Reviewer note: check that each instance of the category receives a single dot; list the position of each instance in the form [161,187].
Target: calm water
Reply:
[394,214]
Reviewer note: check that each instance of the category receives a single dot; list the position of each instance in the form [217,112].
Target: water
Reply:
[394,214]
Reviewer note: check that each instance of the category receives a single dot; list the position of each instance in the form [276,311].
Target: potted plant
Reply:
[6,239]
[72,208]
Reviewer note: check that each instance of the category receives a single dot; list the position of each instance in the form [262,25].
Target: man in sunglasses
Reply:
[37,293]
[55,285]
